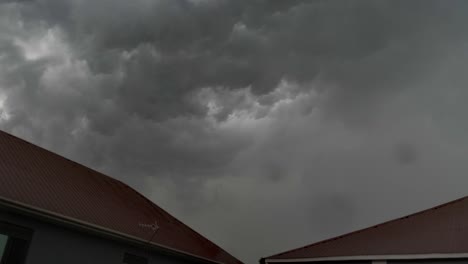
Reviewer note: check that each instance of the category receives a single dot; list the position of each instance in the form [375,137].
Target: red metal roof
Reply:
[34,176]
[440,230]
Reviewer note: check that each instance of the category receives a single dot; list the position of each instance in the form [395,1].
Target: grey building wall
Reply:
[55,244]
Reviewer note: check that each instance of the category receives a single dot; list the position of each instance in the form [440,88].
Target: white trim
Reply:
[374,257]
[91,227]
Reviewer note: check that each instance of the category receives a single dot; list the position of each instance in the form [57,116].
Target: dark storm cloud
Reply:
[237,113]
[177,47]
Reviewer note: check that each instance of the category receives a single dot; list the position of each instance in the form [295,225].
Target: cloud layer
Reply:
[263,124]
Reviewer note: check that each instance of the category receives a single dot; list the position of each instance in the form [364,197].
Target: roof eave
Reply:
[368,257]
[95,229]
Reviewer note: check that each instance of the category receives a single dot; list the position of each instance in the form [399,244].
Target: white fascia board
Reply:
[374,257]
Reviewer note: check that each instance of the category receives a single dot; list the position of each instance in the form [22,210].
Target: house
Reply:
[53,210]
[437,235]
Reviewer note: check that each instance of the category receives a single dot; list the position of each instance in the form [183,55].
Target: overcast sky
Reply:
[264,125]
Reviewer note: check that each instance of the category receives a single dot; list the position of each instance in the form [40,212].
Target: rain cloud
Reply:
[265,125]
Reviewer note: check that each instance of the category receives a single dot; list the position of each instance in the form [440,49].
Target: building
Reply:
[438,235]
[53,210]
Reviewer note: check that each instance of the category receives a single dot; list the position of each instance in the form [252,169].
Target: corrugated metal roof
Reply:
[439,230]
[37,177]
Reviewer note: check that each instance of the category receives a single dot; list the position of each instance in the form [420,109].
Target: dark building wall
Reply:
[55,244]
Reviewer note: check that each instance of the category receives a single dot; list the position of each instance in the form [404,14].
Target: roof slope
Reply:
[34,176]
[439,230]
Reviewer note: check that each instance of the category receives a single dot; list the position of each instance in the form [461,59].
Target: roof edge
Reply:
[368,228]
[151,203]
[50,152]
[199,235]
[96,229]
[371,257]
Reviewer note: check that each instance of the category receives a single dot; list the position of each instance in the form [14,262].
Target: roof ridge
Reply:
[370,227]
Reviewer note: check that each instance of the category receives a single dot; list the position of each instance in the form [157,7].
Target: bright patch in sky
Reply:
[44,46]
[3,112]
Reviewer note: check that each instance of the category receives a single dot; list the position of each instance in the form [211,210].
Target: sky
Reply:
[264,125]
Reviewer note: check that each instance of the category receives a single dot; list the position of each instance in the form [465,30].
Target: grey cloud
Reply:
[179,47]
[405,153]
[276,118]
[235,46]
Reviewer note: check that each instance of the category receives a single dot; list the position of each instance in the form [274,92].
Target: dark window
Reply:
[3,242]
[134,259]
[14,242]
